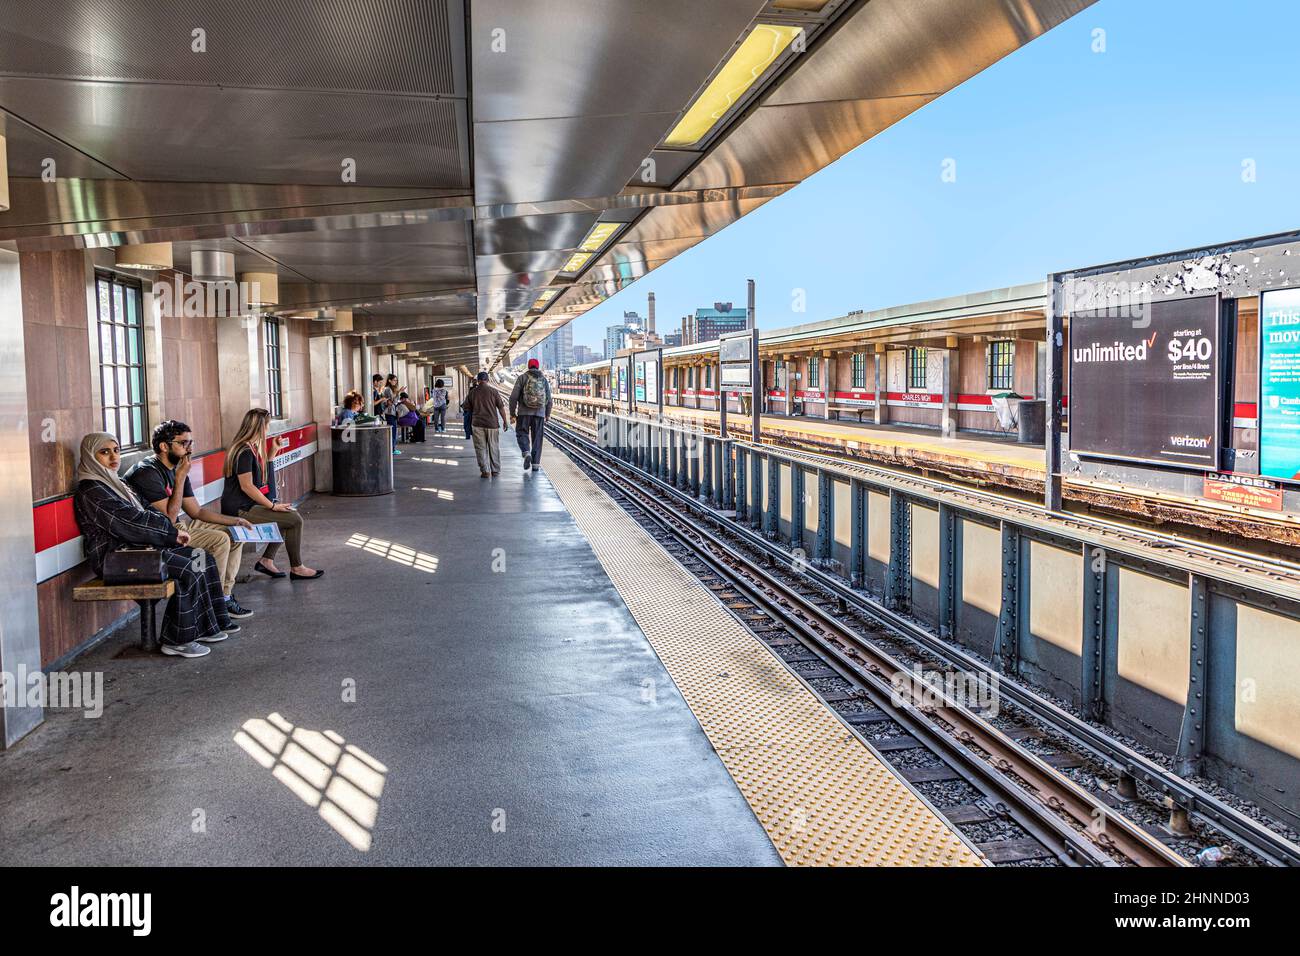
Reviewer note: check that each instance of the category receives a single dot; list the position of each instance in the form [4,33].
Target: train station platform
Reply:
[479,678]
[893,444]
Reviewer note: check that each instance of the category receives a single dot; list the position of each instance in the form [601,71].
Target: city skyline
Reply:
[1129,128]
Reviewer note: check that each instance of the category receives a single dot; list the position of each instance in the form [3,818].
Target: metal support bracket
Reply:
[1093,650]
[1191,736]
[1006,644]
[898,592]
[947,571]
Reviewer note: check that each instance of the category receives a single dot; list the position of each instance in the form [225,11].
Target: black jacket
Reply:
[108,522]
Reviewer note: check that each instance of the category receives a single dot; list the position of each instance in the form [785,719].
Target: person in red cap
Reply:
[530,407]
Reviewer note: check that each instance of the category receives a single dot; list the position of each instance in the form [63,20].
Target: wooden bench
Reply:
[145,595]
[853,408]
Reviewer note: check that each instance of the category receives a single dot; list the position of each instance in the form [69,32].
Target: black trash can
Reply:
[363,460]
[1033,422]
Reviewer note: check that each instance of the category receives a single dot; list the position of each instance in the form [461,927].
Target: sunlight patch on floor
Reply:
[339,780]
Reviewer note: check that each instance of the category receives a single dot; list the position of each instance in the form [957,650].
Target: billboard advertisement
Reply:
[640,381]
[1279,384]
[1148,389]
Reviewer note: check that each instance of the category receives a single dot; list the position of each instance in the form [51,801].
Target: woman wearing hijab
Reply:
[111,516]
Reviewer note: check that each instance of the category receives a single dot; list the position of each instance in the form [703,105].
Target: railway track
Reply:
[1054,788]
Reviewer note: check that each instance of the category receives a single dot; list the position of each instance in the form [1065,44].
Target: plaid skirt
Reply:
[198,608]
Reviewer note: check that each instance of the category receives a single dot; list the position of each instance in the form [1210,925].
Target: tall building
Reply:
[616,335]
[556,350]
[709,324]
[583,354]
[672,339]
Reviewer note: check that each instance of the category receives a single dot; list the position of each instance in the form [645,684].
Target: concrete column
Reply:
[240,359]
[948,424]
[322,411]
[20,637]
[367,369]
[828,387]
[882,389]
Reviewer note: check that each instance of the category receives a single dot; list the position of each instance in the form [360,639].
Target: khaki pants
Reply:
[487,449]
[225,553]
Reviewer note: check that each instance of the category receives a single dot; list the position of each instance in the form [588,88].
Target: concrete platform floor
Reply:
[417,705]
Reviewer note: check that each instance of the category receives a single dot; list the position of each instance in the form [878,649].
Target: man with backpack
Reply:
[530,407]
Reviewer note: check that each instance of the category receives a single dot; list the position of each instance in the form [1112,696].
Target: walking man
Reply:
[483,405]
[530,407]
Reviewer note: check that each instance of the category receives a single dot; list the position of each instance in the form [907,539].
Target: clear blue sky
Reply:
[1065,158]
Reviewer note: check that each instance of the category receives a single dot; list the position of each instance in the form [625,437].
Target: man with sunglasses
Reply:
[163,482]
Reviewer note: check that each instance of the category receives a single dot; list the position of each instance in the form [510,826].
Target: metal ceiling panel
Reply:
[433,252]
[545,159]
[597,58]
[494,237]
[29,149]
[758,151]
[381,46]
[249,136]
[912,47]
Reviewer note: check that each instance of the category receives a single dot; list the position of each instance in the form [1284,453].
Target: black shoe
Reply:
[268,572]
[236,610]
[306,577]
[528,463]
[230,627]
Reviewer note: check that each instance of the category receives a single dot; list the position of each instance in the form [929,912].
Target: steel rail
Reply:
[925,710]
[1117,756]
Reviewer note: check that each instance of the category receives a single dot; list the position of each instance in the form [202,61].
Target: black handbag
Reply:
[134,566]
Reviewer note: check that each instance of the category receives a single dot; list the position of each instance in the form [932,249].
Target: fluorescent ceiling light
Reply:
[756,53]
[598,236]
[577,261]
[541,301]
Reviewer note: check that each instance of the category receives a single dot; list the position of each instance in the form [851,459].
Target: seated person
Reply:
[245,496]
[408,416]
[163,482]
[112,517]
[351,407]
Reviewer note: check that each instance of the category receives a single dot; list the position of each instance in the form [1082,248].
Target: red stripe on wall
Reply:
[55,522]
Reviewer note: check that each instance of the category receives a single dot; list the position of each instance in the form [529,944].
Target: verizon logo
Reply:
[1189,441]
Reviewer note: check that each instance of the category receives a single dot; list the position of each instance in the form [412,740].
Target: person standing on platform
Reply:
[391,411]
[530,407]
[439,399]
[466,414]
[484,405]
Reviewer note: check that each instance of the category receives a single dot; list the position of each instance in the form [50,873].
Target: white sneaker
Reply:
[192,649]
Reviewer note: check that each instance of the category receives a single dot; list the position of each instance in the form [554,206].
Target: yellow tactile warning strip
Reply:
[822,795]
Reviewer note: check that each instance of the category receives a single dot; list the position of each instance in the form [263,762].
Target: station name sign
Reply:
[1147,388]
[1279,384]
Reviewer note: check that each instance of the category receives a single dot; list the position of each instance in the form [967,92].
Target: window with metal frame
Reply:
[274,366]
[917,377]
[119,316]
[1002,365]
[859,370]
[814,371]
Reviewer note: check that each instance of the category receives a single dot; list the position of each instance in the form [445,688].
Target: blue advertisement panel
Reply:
[640,381]
[1279,384]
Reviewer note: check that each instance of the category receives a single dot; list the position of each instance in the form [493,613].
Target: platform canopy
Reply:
[462,176]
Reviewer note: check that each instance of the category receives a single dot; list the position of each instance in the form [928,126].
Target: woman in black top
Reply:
[245,495]
[111,516]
